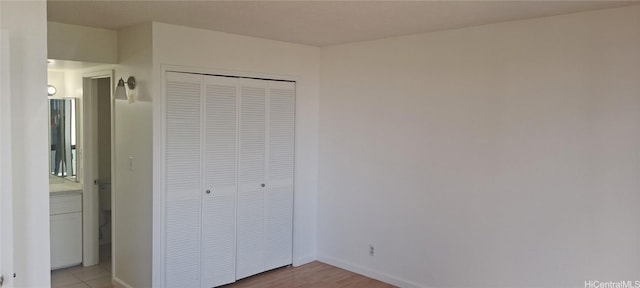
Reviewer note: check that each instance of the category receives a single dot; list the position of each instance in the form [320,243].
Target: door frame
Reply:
[88,149]
[6,165]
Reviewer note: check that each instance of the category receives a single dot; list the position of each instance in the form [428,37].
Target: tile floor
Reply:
[97,276]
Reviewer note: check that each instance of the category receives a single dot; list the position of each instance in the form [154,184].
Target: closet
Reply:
[228,185]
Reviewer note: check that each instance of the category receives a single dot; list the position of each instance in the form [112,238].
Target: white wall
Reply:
[80,43]
[57,79]
[504,155]
[132,186]
[70,79]
[130,48]
[6,177]
[25,21]
[196,48]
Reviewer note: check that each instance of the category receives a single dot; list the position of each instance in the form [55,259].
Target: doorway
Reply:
[91,87]
[97,178]
[103,154]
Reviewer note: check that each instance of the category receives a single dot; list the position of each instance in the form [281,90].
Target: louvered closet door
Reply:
[280,164]
[219,206]
[183,180]
[251,177]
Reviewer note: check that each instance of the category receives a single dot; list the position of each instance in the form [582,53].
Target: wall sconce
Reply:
[121,91]
[51,90]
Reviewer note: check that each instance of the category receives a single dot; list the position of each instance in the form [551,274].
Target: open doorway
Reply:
[103,156]
[97,90]
[82,230]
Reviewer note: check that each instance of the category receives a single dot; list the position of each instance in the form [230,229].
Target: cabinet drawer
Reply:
[65,204]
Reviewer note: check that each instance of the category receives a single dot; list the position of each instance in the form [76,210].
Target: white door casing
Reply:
[6,162]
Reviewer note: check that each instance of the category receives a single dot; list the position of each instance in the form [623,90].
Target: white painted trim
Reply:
[90,198]
[119,283]
[114,179]
[303,260]
[89,250]
[295,244]
[98,74]
[222,72]
[6,164]
[390,279]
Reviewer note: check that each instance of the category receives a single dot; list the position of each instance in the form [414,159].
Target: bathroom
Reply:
[80,172]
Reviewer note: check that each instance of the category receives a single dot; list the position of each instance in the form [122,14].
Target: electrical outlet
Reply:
[372,250]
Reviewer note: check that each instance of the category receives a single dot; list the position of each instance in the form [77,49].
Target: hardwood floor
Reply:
[312,275]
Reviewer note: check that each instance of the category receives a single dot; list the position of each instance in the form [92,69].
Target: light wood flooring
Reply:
[312,275]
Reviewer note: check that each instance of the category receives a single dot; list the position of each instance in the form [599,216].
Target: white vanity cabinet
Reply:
[66,229]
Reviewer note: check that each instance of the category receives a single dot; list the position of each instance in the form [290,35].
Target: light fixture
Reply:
[121,91]
[51,90]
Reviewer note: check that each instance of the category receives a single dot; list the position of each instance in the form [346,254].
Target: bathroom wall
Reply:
[57,79]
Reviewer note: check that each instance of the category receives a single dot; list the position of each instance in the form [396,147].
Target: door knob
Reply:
[262,185]
[208,191]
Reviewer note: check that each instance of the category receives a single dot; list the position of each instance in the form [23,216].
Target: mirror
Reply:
[62,138]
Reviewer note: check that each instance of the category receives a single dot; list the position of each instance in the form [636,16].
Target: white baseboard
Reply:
[369,273]
[117,283]
[303,260]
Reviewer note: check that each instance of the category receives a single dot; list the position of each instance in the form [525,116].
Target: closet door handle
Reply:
[262,185]
[208,191]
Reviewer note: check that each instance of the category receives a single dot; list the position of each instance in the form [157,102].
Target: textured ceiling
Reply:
[317,23]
